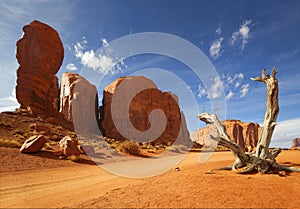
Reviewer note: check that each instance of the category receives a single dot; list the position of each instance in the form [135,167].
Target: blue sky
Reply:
[240,38]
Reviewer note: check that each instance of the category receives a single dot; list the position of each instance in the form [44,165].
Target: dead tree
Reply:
[262,159]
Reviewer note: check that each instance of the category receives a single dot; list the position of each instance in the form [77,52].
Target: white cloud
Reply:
[104,42]
[71,66]
[244,90]
[238,76]
[242,34]
[201,91]
[285,132]
[237,84]
[218,31]
[229,84]
[103,63]
[216,90]
[9,103]
[229,95]
[215,48]
[229,79]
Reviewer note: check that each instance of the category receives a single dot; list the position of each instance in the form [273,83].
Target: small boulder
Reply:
[33,144]
[69,146]
[62,142]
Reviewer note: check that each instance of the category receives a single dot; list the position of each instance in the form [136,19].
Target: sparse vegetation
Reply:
[13,143]
[177,148]
[17,131]
[74,158]
[6,125]
[128,147]
[47,146]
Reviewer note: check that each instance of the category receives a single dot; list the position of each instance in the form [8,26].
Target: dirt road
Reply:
[90,186]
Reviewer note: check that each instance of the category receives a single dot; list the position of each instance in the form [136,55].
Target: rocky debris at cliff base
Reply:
[34,144]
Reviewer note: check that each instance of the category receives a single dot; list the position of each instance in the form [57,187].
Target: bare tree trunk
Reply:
[261,160]
[272,111]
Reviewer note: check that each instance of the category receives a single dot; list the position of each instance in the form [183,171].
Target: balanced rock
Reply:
[33,144]
[79,103]
[243,133]
[40,54]
[296,143]
[69,146]
[134,108]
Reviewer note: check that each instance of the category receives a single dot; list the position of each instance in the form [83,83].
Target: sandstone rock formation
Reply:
[69,146]
[243,133]
[33,144]
[40,54]
[296,143]
[79,103]
[128,102]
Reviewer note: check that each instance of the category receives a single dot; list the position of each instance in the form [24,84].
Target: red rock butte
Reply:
[40,54]
[140,108]
[79,103]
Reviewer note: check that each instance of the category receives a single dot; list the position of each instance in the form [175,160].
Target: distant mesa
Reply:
[296,143]
[245,134]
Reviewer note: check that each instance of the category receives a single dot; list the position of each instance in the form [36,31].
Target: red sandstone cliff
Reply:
[244,133]
[79,103]
[296,143]
[132,107]
[40,54]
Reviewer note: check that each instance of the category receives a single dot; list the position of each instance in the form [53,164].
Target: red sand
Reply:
[35,181]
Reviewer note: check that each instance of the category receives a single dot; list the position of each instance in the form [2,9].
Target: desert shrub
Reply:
[114,144]
[5,125]
[13,143]
[177,148]
[19,136]
[160,147]
[173,148]
[19,132]
[60,128]
[129,147]
[48,146]
[151,151]
[74,158]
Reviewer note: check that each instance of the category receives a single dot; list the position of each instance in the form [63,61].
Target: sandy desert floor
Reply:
[39,181]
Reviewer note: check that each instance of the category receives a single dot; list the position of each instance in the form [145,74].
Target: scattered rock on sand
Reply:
[33,144]
[69,146]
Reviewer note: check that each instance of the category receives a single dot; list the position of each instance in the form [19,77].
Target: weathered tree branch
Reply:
[272,111]
[261,160]
[224,139]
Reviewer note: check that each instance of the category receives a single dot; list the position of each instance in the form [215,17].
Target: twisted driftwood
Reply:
[262,159]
